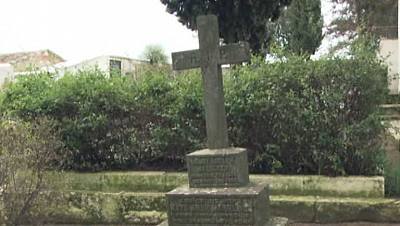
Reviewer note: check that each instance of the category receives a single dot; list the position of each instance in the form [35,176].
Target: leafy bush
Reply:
[26,152]
[113,123]
[295,116]
[318,117]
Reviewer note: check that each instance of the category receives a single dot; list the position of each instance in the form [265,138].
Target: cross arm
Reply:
[229,54]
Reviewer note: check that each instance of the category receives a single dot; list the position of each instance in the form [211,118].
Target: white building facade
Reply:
[390,50]
[6,73]
[108,64]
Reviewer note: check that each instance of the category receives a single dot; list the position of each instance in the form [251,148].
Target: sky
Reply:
[82,29]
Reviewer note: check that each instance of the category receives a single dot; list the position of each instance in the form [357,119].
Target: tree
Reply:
[155,54]
[239,20]
[299,29]
[374,16]
[27,152]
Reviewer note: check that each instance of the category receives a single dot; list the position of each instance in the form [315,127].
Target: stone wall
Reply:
[138,198]
[6,73]
[389,50]
[357,186]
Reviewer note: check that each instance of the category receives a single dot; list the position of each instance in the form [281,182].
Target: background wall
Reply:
[6,72]
[390,49]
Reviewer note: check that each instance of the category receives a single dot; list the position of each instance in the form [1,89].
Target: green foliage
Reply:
[29,93]
[112,123]
[309,116]
[294,116]
[239,20]
[299,28]
[155,54]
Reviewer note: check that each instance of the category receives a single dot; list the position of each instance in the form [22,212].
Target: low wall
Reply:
[89,208]
[368,187]
[138,198]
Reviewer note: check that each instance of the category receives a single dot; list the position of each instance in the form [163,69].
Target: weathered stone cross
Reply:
[210,57]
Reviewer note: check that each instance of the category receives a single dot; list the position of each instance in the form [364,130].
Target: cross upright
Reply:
[209,58]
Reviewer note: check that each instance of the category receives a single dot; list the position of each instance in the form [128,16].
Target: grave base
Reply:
[246,206]
[218,168]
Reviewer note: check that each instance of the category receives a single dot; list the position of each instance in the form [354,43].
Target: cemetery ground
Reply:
[137,198]
[313,130]
[292,224]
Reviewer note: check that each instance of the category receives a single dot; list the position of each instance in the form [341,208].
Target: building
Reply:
[390,51]
[6,73]
[110,65]
[21,63]
[33,60]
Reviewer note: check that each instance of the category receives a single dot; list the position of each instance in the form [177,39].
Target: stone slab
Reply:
[275,221]
[218,168]
[245,206]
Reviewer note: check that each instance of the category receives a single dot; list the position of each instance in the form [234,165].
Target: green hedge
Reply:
[295,116]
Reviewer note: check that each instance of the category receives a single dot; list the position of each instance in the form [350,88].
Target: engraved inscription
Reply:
[210,211]
[211,171]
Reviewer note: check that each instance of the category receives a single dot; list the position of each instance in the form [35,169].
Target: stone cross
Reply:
[209,58]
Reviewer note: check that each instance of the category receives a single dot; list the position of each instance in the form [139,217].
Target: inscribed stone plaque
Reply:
[217,168]
[246,206]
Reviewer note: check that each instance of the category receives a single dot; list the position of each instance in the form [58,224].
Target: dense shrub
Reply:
[309,116]
[294,116]
[114,123]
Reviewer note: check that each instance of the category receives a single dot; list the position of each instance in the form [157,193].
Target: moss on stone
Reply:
[145,217]
[118,181]
[368,187]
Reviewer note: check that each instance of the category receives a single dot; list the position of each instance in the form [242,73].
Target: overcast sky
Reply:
[82,29]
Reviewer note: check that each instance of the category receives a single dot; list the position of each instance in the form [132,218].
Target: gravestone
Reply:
[219,191]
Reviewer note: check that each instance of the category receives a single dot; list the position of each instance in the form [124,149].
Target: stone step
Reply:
[314,209]
[391,117]
[233,206]
[148,208]
[134,218]
[368,187]
[390,111]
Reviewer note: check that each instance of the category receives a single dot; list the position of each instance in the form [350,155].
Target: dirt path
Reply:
[346,224]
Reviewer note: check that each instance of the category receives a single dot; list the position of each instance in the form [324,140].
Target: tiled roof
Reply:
[24,61]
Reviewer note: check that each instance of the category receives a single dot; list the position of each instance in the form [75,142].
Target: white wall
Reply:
[389,49]
[101,63]
[6,73]
[128,66]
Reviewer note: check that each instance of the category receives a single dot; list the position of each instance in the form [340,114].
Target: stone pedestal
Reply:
[218,206]
[218,168]
[219,193]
